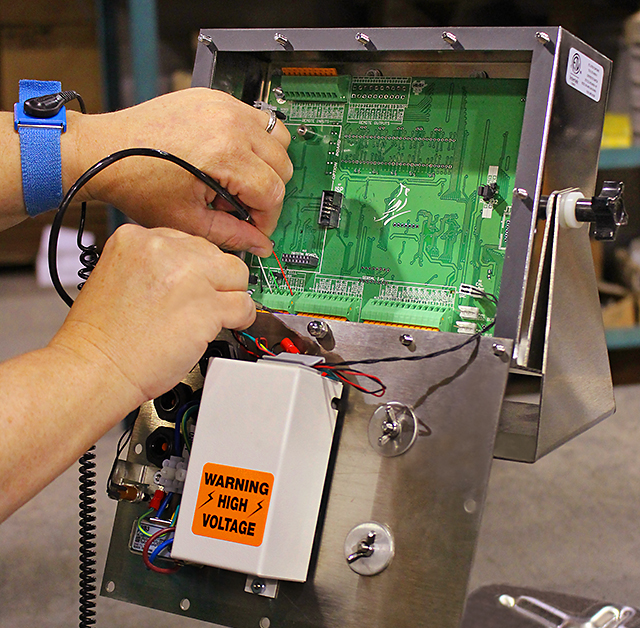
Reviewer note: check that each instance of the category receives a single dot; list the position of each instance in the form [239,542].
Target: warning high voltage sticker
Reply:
[233,504]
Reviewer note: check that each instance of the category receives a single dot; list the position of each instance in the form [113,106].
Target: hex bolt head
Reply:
[204,39]
[363,39]
[258,586]
[543,38]
[406,340]
[318,329]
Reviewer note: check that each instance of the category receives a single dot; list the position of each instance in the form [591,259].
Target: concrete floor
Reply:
[569,523]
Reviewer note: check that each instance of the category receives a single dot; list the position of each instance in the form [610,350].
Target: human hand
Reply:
[154,301]
[210,129]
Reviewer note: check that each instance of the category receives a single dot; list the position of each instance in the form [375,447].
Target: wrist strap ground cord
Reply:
[90,256]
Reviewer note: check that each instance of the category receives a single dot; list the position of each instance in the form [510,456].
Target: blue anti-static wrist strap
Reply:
[40,155]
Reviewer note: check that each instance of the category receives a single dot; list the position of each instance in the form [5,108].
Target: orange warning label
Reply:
[233,504]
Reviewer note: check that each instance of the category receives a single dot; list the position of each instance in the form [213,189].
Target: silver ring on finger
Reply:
[272,121]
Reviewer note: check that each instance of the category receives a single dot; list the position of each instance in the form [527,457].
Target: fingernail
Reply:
[260,251]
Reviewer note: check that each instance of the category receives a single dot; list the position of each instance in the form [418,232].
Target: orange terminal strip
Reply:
[310,71]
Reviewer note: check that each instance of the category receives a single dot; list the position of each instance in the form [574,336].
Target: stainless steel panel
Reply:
[431,497]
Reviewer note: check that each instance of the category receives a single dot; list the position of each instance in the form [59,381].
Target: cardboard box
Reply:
[56,53]
[46,12]
[622,313]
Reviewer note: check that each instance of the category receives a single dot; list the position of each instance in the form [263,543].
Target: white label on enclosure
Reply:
[585,75]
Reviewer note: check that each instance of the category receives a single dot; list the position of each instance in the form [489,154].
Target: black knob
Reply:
[606,211]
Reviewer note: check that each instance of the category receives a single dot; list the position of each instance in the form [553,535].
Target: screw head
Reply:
[450,38]
[281,39]
[499,349]
[543,38]
[406,340]
[363,39]
[204,39]
[520,193]
[258,586]
[318,329]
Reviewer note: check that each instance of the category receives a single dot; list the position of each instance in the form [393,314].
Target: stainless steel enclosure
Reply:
[548,287]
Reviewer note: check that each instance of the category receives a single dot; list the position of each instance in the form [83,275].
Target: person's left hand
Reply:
[210,129]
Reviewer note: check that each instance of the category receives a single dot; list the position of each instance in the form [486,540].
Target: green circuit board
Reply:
[401,194]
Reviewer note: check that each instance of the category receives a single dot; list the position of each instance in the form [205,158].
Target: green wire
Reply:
[175,516]
[187,415]
[140,528]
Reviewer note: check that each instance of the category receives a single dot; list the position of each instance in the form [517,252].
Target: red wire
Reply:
[145,553]
[283,274]
[261,343]
[340,372]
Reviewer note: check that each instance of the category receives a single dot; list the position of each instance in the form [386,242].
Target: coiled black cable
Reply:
[89,254]
[87,518]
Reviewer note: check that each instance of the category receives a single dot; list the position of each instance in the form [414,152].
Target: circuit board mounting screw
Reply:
[406,340]
[521,193]
[450,38]
[499,349]
[318,329]
[258,586]
[543,38]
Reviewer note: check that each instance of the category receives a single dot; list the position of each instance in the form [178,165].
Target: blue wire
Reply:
[158,549]
[244,333]
[164,504]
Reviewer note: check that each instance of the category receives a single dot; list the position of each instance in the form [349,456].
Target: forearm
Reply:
[55,405]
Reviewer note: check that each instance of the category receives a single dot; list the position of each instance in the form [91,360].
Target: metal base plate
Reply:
[431,497]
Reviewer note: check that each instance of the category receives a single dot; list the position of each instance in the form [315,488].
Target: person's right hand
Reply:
[155,300]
